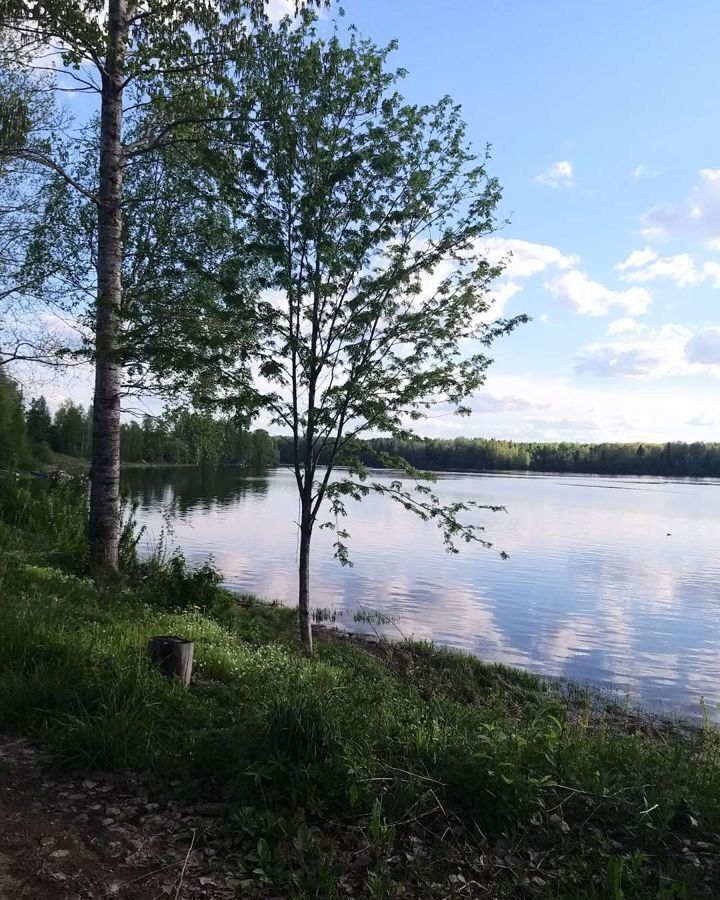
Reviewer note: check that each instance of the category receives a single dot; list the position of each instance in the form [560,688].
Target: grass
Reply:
[373,770]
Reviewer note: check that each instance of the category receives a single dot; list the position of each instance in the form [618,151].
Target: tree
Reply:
[132,447]
[69,429]
[14,450]
[39,421]
[371,210]
[27,115]
[263,451]
[149,52]
[162,63]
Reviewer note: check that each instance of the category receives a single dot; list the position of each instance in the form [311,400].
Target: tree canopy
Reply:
[14,443]
[158,65]
[370,212]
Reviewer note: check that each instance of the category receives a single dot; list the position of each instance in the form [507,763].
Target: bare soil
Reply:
[63,837]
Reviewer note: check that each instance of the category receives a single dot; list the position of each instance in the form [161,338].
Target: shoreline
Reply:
[626,707]
[78,463]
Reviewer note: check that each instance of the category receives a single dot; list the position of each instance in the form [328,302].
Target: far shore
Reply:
[74,464]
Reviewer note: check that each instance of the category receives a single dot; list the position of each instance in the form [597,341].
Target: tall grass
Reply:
[54,517]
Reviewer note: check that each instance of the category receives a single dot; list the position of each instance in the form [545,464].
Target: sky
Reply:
[603,121]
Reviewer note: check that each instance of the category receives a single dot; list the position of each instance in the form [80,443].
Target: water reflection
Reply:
[610,580]
[184,489]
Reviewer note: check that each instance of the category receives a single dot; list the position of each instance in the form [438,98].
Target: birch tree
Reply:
[27,113]
[167,58]
[373,212]
[187,316]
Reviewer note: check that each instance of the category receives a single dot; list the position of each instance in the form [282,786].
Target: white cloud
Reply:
[590,298]
[682,269]
[704,347]
[525,258]
[697,217]
[603,409]
[521,260]
[504,291]
[76,384]
[276,10]
[703,421]
[711,271]
[679,269]
[643,171]
[486,402]
[560,174]
[637,258]
[620,361]
[642,352]
[622,326]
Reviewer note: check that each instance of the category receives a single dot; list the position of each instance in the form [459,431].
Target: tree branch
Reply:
[40,159]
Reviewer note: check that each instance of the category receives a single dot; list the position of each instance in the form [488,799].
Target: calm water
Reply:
[595,587]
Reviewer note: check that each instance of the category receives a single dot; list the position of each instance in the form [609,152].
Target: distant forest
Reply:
[29,434]
[481,454]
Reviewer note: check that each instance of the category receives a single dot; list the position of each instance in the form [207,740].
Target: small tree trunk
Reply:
[304,584]
[173,656]
[105,468]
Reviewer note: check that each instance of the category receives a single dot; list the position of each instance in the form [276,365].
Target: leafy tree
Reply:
[39,421]
[27,113]
[371,209]
[184,277]
[14,450]
[69,432]
[167,58]
[132,444]
[263,450]
[182,436]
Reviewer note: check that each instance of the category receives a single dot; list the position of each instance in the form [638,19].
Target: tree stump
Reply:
[173,656]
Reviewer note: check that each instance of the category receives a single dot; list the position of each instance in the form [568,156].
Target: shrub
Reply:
[54,515]
[171,584]
[42,453]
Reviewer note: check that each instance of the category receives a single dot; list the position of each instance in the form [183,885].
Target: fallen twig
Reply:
[187,857]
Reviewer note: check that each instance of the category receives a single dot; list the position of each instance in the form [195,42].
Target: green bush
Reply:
[172,584]
[53,515]
[42,453]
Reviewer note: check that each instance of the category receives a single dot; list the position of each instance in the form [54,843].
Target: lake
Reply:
[610,580]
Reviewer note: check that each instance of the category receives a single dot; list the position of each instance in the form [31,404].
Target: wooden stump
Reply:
[173,656]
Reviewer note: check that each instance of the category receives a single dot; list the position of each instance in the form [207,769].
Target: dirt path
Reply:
[101,837]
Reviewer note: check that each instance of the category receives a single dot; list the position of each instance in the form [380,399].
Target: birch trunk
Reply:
[304,581]
[105,470]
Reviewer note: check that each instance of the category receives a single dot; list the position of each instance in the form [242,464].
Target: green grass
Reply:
[370,770]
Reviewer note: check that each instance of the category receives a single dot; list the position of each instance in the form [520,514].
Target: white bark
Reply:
[105,472]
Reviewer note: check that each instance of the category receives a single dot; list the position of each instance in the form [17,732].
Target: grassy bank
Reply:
[370,770]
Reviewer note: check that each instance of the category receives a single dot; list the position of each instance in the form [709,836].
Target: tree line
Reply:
[197,439]
[674,458]
[31,435]
[28,433]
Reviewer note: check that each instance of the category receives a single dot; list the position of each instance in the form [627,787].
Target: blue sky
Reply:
[605,134]
[603,122]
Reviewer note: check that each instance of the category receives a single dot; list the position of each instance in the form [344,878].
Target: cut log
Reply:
[173,656]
